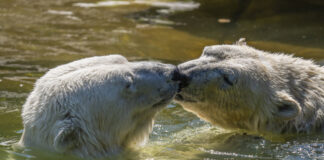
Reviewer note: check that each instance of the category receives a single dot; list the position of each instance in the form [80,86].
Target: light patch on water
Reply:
[103,4]
[22,79]
[213,152]
[20,131]
[67,13]
[157,21]
[14,110]
[122,31]
[171,105]
[74,18]
[7,143]
[172,6]
[8,94]
[144,26]
[304,150]
[27,156]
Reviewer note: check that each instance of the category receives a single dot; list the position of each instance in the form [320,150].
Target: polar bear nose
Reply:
[182,78]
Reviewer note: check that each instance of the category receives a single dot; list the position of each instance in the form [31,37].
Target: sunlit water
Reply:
[38,35]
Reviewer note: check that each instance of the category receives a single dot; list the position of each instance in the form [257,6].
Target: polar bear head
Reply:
[97,109]
[239,87]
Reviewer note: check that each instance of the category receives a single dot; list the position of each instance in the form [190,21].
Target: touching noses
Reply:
[182,78]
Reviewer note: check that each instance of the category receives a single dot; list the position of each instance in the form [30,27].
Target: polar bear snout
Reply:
[201,77]
[158,82]
[182,78]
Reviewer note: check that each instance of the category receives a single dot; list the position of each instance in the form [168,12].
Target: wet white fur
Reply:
[240,87]
[95,107]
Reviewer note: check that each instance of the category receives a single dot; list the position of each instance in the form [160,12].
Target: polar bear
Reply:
[95,107]
[238,87]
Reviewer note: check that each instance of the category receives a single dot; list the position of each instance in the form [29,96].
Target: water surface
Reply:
[38,35]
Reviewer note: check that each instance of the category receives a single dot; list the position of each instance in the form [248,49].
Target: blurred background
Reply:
[38,35]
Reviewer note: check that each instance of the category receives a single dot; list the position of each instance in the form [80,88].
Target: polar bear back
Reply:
[86,62]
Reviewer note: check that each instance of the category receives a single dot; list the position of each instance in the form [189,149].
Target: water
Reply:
[38,35]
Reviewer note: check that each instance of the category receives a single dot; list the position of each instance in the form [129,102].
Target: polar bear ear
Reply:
[287,107]
[66,137]
[241,42]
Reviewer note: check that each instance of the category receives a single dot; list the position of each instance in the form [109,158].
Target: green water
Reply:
[38,35]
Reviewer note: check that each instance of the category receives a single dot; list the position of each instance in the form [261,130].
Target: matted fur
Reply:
[95,107]
[240,87]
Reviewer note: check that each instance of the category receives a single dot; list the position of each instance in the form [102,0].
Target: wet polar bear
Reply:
[239,87]
[96,106]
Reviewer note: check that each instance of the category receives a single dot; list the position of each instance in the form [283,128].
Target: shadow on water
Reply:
[292,26]
[295,22]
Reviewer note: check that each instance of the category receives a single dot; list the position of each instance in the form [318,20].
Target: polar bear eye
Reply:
[128,86]
[129,82]
[227,80]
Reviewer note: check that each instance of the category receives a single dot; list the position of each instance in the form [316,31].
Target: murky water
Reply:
[38,35]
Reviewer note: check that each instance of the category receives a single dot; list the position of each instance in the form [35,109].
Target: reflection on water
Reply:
[38,35]
[169,7]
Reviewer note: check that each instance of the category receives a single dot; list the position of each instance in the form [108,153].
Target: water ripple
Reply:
[170,6]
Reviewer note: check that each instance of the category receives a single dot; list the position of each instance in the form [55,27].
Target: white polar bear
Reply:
[96,106]
[239,87]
